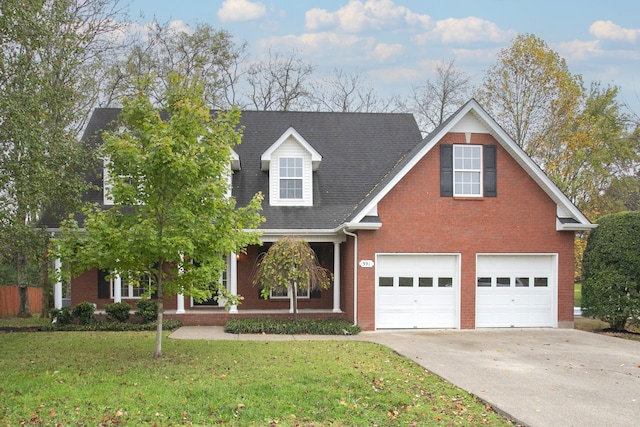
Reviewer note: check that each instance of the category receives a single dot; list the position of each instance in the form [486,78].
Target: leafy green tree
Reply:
[46,48]
[207,54]
[611,270]
[173,218]
[532,94]
[290,264]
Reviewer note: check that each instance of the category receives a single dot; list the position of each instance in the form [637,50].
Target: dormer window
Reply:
[290,162]
[290,177]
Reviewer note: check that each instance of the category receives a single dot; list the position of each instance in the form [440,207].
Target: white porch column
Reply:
[180,307]
[233,279]
[117,288]
[336,277]
[180,296]
[57,287]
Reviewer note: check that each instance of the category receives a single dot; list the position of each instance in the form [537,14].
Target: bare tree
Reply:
[347,92]
[437,99]
[279,83]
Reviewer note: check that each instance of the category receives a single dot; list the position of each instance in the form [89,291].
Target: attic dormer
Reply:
[290,162]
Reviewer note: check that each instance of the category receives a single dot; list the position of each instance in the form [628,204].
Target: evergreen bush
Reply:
[84,312]
[118,311]
[611,270]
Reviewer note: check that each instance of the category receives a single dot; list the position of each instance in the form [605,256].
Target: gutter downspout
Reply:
[355,275]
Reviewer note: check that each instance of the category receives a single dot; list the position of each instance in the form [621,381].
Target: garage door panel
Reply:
[418,297]
[515,290]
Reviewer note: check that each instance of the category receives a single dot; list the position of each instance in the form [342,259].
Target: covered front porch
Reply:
[238,279]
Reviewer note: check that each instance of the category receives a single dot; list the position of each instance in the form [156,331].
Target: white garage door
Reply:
[416,291]
[515,291]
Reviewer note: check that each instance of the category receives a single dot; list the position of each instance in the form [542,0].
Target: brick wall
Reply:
[522,219]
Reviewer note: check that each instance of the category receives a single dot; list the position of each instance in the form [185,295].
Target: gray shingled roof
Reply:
[358,150]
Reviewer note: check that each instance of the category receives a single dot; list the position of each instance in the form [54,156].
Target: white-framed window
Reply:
[284,294]
[130,290]
[290,171]
[467,170]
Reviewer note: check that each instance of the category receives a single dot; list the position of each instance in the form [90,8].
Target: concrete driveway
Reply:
[537,377]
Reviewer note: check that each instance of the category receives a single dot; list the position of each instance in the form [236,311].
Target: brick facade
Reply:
[415,218]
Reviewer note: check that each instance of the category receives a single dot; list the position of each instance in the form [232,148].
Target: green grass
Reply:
[577,295]
[16,322]
[109,379]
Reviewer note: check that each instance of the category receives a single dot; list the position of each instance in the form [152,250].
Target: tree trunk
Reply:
[158,350]
[24,310]
[294,293]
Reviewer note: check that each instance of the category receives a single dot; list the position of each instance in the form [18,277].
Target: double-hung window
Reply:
[133,290]
[291,178]
[467,170]
[284,293]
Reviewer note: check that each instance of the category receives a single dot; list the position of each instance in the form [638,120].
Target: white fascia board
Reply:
[401,174]
[508,144]
[320,235]
[572,226]
[265,159]
[534,171]
[235,161]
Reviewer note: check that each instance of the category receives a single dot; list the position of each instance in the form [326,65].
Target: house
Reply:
[457,230]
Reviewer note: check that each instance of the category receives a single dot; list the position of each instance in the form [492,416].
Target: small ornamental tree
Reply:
[290,264]
[173,220]
[611,270]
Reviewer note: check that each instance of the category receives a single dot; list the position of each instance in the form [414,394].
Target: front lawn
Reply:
[110,379]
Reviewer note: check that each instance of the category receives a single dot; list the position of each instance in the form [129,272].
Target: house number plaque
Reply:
[366,263]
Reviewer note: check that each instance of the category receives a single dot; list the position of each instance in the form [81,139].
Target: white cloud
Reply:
[180,27]
[241,10]
[609,31]
[319,43]
[466,30]
[579,49]
[384,52]
[358,16]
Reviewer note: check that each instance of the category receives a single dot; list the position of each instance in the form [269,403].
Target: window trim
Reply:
[288,296]
[297,178]
[479,171]
[130,288]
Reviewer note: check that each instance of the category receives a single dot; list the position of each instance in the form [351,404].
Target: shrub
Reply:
[291,327]
[611,270]
[61,316]
[84,312]
[167,325]
[118,311]
[147,310]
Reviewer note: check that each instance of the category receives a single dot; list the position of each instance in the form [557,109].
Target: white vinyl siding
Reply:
[291,175]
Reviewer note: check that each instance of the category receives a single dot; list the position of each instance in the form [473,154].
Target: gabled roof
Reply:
[316,158]
[569,216]
[357,151]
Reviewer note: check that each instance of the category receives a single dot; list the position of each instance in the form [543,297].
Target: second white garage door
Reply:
[516,291]
[416,291]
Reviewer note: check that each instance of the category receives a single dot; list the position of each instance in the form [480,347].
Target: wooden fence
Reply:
[9,302]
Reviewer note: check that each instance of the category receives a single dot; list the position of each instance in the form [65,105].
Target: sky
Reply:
[395,44]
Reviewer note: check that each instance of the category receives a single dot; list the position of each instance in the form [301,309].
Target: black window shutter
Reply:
[316,293]
[490,171]
[103,285]
[446,170]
